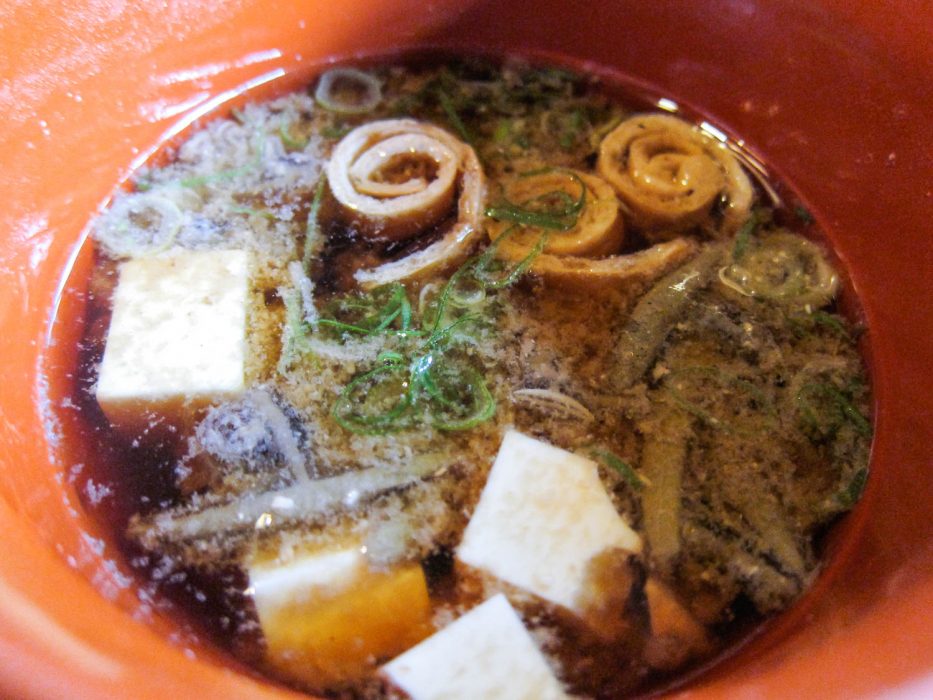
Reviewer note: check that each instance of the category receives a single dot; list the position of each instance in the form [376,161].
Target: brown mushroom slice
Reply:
[671,176]
[398,177]
[597,231]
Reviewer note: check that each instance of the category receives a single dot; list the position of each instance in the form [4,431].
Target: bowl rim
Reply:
[30,647]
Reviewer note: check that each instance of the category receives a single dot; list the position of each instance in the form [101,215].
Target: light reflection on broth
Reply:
[360,362]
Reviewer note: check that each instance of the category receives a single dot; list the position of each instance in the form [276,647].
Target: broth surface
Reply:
[692,351]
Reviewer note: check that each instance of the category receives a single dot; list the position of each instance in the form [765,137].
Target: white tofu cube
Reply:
[319,575]
[542,516]
[177,338]
[327,617]
[486,654]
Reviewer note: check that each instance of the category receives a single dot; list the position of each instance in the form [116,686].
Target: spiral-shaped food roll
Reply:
[583,256]
[397,178]
[671,176]
[595,230]
[785,268]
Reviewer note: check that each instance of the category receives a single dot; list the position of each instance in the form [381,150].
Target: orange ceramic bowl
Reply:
[834,95]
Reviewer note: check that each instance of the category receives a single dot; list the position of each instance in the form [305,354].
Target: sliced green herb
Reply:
[337,131]
[803,214]
[744,236]
[823,408]
[455,121]
[555,210]
[503,131]
[375,313]
[720,381]
[421,371]
[852,492]
[249,211]
[295,331]
[821,318]
[290,142]
[373,402]
[628,474]
[200,180]
[475,402]
[485,264]
[313,227]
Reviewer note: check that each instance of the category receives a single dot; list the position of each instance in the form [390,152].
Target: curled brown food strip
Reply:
[615,271]
[598,228]
[671,176]
[581,258]
[398,177]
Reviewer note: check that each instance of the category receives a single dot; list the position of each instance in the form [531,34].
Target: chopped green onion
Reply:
[465,274]
[629,475]
[390,357]
[395,307]
[851,493]
[536,212]
[455,121]
[421,376]
[359,406]
[803,214]
[484,408]
[838,402]
[249,211]
[518,215]
[785,268]
[721,380]
[454,395]
[348,91]
[485,260]
[502,132]
[289,142]
[338,131]
[313,227]
[822,318]
[139,224]
[294,330]
[473,403]
[348,327]
[442,335]
[743,237]
[200,180]
[570,128]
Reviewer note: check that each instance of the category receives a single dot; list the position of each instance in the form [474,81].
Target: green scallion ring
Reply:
[348,91]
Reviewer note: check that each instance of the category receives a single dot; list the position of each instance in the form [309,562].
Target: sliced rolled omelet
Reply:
[398,178]
[671,176]
[578,219]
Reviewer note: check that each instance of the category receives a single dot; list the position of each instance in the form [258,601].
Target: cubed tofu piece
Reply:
[177,338]
[327,617]
[486,653]
[542,515]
